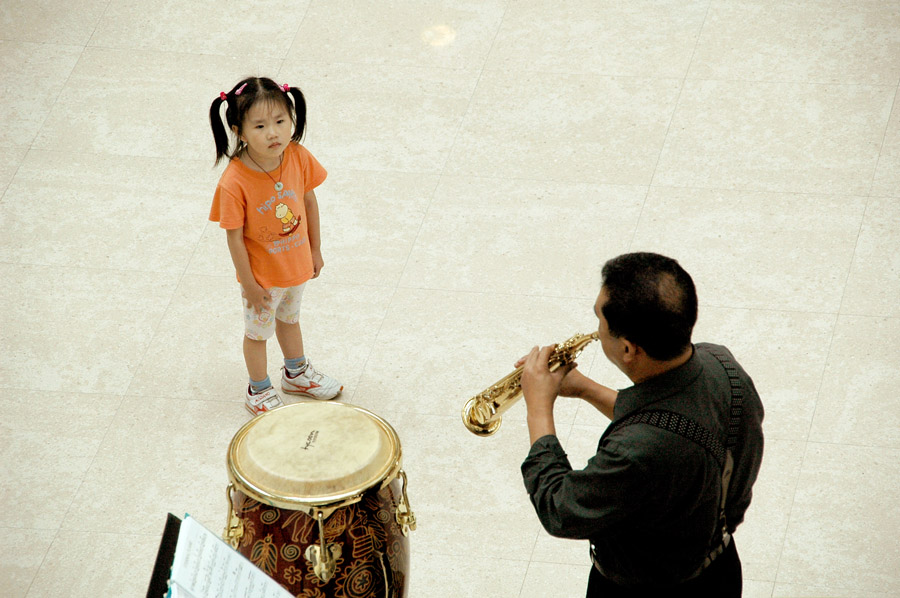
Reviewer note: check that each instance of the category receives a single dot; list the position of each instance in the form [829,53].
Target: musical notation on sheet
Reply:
[207,567]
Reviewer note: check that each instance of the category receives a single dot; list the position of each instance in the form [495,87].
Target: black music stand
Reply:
[159,581]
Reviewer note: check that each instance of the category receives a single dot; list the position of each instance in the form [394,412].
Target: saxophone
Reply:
[483,413]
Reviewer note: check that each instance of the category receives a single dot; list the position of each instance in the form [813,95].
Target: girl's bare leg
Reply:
[255,357]
[290,338]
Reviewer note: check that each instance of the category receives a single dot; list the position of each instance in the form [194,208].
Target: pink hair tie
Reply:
[223,95]
[285,87]
[240,89]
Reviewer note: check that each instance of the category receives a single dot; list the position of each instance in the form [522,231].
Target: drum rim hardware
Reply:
[406,519]
[234,525]
[325,503]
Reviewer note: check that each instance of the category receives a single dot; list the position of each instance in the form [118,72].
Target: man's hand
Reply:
[573,383]
[541,387]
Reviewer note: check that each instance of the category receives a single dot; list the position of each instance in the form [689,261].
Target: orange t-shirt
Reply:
[275,230]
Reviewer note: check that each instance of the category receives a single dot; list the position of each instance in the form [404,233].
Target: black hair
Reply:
[651,301]
[239,101]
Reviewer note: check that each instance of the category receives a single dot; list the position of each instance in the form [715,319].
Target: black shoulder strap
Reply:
[678,424]
[736,408]
[687,427]
[693,431]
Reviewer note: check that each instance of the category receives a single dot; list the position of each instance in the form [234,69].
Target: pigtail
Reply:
[299,112]
[220,133]
[240,99]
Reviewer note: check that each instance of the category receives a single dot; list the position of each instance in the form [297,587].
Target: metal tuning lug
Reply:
[406,519]
[234,525]
[323,557]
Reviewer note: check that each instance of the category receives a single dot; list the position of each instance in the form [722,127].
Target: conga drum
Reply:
[318,501]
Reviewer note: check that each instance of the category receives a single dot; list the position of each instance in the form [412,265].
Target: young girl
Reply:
[266,204]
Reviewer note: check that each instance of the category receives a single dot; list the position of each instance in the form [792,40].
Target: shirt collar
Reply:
[658,388]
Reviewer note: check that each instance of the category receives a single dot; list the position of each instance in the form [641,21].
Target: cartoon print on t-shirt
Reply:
[265,235]
[289,222]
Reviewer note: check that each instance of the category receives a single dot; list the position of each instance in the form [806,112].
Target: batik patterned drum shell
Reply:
[312,469]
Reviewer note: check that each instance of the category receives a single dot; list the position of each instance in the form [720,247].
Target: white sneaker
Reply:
[310,383]
[262,402]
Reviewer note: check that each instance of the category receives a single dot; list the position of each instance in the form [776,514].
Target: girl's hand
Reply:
[318,262]
[256,297]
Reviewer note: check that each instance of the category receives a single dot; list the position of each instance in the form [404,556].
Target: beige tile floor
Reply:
[485,158]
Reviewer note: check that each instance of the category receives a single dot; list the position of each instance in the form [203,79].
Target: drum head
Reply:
[313,454]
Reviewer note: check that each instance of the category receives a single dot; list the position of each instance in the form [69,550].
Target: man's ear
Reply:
[629,351]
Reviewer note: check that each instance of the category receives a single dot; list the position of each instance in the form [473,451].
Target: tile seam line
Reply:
[566,181]
[806,446]
[537,534]
[862,221]
[760,191]
[87,44]
[528,564]
[173,273]
[121,398]
[662,145]
[784,536]
[491,69]
[101,154]
[894,447]
[437,184]
[102,269]
[260,56]
[456,554]
[395,288]
[123,395]
[852,261]
[592,297]
[462,120]
[293,39]
[454,291]
[786,82]
[95,531]
[30,147]
[443,171]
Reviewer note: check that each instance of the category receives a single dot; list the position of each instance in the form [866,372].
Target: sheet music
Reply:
[206,567]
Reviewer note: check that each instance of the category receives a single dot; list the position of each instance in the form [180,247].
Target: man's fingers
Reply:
[545,353]
[537,356]
[530,359]
[568,368]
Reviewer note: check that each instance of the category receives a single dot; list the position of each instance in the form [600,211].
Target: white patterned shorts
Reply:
[285,306]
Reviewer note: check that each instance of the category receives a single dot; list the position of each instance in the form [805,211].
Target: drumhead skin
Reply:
[313,455]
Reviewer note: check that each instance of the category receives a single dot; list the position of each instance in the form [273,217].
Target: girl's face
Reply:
[267,129]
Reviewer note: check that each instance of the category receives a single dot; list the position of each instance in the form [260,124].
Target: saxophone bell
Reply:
[479,418]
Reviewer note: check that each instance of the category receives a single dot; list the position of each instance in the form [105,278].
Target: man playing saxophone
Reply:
[674,470]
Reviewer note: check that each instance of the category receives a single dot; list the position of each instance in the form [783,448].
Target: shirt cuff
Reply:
[546,451]
[547,442]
